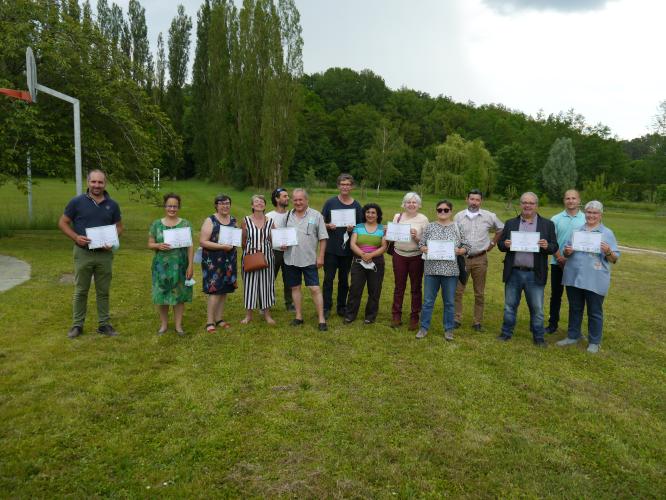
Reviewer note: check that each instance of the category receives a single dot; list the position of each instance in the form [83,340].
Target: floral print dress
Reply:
[218,267]
[169,269]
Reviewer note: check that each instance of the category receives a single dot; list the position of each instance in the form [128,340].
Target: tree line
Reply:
[250,116]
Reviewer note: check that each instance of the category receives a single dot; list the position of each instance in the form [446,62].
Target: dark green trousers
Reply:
[89,265]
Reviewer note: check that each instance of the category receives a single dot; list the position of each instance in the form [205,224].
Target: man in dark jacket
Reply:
[526,270]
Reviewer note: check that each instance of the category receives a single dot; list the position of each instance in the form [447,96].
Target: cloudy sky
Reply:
[603,58]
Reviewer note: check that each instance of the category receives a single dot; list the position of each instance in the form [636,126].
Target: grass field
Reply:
[355,412]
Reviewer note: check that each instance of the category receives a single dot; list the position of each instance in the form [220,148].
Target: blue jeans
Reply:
[518,281]
[595,313]
[432,284]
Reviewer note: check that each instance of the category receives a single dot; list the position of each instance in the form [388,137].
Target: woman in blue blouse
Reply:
[587,278]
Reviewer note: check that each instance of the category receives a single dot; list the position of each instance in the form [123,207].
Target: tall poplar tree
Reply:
[140,51]
[179,54]
[201,91]
[282,97]
[559,173]
[160,72]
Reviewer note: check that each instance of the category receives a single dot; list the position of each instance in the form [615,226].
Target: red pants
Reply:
[403,267]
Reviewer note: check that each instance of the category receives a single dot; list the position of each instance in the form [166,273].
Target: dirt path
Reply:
[641,251]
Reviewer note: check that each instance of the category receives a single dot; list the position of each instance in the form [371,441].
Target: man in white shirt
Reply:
[476,224]
[280,199]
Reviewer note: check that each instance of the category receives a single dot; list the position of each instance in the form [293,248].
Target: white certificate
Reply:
[398,232]
[179,237]
[284,237]
[525,241]
[586,241]
[441,250]
[230,236]
[343,218]
[102,236]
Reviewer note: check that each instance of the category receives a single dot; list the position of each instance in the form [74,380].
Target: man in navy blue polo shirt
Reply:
[93,209]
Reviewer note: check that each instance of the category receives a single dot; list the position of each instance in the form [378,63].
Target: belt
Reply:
[92,249]
[523,268]
[484,252]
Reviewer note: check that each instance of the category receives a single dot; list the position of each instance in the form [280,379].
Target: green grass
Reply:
[356,412]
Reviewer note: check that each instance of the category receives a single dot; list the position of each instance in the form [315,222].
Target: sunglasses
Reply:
[443,210]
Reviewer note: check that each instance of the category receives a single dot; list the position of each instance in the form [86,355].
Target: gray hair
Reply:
[411,196]
[300,190]
[530,193]
[595,205]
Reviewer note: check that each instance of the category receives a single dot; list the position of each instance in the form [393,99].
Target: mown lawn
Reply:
[355,412]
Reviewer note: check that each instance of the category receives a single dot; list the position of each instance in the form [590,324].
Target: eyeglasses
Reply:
[172,207]
[443,210]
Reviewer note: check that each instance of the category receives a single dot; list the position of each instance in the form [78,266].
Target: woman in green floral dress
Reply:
[171,266]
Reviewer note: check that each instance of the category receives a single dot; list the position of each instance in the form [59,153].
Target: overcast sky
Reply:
[604,58]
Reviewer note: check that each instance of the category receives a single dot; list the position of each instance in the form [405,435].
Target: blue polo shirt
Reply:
[566,224]
[86,212]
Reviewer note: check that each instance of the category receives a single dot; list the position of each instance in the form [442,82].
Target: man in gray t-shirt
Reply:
[304,260]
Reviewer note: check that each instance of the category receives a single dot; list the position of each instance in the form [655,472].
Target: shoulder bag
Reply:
[460,259]
[254,261]
[390,247]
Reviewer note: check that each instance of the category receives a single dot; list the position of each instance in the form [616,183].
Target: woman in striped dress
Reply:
[259,287]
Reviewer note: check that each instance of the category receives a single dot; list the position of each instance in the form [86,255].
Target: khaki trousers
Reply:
[477,269]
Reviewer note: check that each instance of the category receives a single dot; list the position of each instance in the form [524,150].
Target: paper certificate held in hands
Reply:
[525,241]
[441,250]
[230,236]
[398,232]
[102,236]
[344,217]
[284,237]
[586,241]
[180,237]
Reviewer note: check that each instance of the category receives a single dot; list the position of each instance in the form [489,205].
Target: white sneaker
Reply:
[566,341]
[421,333]
[448,335]
[593,348]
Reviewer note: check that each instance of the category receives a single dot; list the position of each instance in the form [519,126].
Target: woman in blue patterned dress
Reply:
[171,266]
[218,262]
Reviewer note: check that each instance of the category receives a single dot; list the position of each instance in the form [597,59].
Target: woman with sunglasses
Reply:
[441,273]
[171,266]
[218,262]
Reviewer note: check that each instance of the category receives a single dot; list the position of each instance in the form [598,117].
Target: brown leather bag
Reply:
[254,261]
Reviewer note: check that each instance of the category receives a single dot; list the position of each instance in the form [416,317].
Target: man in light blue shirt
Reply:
[568,220]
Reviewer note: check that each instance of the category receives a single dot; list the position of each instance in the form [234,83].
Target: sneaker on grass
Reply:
[593,348]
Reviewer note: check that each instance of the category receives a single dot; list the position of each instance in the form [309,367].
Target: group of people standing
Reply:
[358,251]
